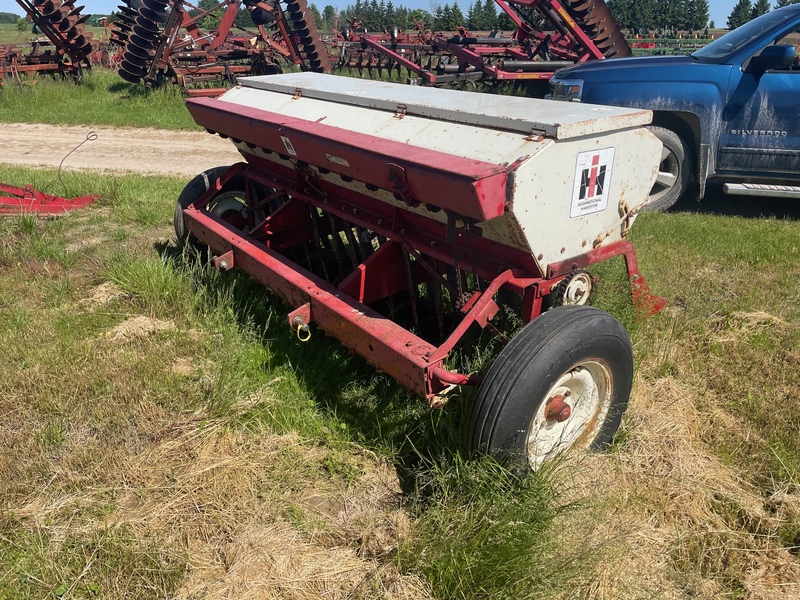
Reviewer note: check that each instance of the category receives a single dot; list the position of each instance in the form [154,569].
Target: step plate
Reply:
[761,189]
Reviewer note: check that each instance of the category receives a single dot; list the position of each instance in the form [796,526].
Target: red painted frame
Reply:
[342,311]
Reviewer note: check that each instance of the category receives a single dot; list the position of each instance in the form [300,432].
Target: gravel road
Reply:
[155,151]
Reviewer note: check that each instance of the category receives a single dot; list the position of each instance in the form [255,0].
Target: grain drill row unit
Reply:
[402,220]
[549,35]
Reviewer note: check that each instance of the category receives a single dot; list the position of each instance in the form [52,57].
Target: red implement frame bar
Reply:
[17,200]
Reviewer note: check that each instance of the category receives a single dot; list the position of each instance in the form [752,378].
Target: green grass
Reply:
[102,99]
[9,34]
[127,461]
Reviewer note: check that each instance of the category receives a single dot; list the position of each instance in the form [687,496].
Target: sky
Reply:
[720,9]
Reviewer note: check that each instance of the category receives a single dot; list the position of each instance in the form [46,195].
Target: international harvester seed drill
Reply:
[398,218]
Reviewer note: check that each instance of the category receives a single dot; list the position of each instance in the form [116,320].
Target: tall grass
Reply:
[158,414]
[101,99]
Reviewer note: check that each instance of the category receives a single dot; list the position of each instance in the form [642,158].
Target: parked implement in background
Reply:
[395,218]
[549,35]
[727,112]
[162,42]
[67,46]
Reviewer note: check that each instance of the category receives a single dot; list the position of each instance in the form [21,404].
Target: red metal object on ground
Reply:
[15,200]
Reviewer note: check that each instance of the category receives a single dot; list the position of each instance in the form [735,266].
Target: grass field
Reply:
[102,99]
[165,435]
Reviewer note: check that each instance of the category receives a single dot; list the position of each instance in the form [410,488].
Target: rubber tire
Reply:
[192,192]
[679,158]
[530,365]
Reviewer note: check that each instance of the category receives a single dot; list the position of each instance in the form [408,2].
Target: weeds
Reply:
[164,434]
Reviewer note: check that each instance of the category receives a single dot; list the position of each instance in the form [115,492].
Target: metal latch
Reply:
[536,135]
[298,93]
[401,111]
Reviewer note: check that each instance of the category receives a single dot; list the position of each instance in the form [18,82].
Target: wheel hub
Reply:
[573,414]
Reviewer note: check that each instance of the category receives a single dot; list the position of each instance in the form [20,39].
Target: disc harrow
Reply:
[62,23]
[549,35]
[306,31]
[600,25]
[154,52]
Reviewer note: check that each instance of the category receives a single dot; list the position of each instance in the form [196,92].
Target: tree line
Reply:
[379,16]
[662,15]
[746,10]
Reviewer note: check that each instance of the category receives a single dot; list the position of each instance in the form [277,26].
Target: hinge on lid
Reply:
[536,135]
[400,111]
[298,93]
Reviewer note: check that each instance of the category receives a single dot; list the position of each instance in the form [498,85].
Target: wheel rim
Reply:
[577,291]
[572,412]
[669,171]
[231,207]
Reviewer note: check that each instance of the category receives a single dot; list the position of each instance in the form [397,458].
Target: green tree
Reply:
[698,14]
[458,16]
[621,9]
[22,25]
[782,3]
[316,15]
[489,14]
[329,17]
[740,14]
[421,15]
[761,7]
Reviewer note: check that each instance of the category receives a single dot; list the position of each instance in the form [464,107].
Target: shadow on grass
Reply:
[376,411]
[716,202]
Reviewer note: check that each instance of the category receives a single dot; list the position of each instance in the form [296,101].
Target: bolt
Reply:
[433,244]
[403,231]
[355,211]
[556,409]
[380,221]
[223,265]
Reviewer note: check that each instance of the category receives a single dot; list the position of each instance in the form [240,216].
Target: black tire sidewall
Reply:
[519,380]
[678,147]
[193,191]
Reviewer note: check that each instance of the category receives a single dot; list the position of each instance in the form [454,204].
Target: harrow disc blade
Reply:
[136,54]
[128,76]
[132,69]
[138,62]
[153,15]
[145,43]
[146,30]
[157,5]
[599,23]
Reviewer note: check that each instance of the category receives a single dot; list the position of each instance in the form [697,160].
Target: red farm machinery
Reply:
[402,220]
[161,41]
[64,47]
[549,35]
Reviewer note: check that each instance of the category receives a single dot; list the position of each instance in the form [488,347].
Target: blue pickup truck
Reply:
[728,112]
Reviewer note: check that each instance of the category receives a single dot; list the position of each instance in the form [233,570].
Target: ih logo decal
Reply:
[592,182]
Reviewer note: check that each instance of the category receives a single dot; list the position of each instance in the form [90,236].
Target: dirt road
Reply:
[156,151]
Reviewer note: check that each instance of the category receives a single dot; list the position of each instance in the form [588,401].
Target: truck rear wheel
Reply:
[562,383]
[674,171]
